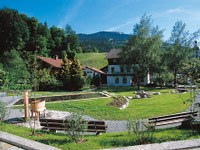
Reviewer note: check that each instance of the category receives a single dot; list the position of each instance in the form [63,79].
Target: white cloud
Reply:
[167,18]
[69,14]
[176,10]
[123,26]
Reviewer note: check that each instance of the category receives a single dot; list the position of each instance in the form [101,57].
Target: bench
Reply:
[174,118]
[58,124]
[181,90]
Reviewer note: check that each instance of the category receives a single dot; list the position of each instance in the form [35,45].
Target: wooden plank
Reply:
[171,122]
[170,118]
[57,124]
[177,114]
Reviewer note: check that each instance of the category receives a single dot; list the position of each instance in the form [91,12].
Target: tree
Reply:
[17,72]
[75,127]
[57,41]
[14,31]
[65,72]
[71,40]
[142,50]
[191,70]
[178,50]
[77,78]
[3,111]
[2,76]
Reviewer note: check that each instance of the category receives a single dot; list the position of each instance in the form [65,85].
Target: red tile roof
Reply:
[53,62]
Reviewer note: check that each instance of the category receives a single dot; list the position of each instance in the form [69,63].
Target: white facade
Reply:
[119,80]
[119,75]
[88,72]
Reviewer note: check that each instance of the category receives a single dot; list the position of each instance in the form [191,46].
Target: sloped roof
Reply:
[95,70]
[53,62]
[113,53]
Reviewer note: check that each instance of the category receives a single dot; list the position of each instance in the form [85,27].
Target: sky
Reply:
[90,16]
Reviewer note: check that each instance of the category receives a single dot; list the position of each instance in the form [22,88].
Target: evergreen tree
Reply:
[77,78]
[17,72]
[72,40]
[65,72]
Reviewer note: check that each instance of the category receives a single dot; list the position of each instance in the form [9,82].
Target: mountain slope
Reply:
[103,41]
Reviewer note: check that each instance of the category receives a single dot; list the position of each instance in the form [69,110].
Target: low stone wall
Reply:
[64,97]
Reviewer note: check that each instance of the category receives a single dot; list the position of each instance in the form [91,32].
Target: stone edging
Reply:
[173,145]
[24,143]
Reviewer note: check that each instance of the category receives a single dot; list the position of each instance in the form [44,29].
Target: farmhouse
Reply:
[119,74]
[54,66]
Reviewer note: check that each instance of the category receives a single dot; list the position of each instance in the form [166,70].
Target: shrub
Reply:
[47,81]
[75,127]
[142,131]
[3,111]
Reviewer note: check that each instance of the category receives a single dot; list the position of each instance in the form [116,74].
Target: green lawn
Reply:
[98,108]
[107,140]
[96,60]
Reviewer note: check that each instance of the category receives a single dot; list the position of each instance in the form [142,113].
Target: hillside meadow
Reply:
[96,60]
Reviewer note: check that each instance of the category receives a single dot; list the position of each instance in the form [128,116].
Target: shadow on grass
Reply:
[117,142]
[54,141]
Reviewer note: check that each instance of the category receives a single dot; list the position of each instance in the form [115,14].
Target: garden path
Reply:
[113,125]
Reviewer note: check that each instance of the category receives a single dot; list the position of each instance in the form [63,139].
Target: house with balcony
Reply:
[119,74]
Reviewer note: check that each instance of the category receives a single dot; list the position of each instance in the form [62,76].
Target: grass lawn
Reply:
[157,105]
[96,60]
[107,140]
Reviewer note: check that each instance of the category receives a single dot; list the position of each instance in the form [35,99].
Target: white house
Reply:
[118,74]
[92,72]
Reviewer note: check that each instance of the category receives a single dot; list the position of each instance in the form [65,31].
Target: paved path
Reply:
[23,143]
[174,145]
[6,146]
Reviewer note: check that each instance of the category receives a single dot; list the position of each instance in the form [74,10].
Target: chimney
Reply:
[56,57]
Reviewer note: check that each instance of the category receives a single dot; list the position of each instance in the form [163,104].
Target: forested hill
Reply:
[103,41]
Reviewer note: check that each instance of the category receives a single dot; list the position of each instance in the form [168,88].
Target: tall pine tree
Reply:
[77,78]
[65,72]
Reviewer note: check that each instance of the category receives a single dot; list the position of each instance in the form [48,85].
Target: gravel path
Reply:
[8,100]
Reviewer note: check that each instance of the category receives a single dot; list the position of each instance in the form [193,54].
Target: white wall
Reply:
[117,69]
[111,81]
[89,72]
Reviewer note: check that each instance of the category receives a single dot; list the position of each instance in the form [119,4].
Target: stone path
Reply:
[6,146]
[22,143]
[174,145]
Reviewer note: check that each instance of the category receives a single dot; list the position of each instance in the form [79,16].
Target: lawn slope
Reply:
[96,60]
[157,105]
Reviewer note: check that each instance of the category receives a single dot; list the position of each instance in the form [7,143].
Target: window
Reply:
[117,80]
[124,80]
[122,69]
[128,69]
[112,70]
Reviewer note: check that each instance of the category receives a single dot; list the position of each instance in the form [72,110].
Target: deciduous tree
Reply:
[179,48]
[142,50]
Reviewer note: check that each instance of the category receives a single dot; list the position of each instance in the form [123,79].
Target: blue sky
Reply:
[89,16]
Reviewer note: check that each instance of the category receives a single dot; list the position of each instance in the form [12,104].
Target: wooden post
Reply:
[26,105]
